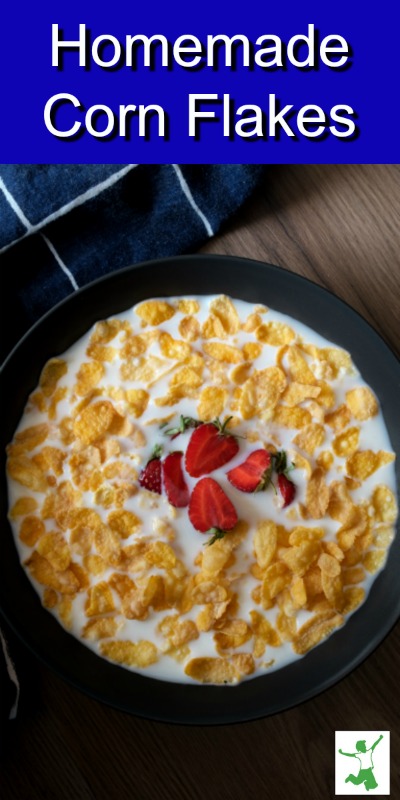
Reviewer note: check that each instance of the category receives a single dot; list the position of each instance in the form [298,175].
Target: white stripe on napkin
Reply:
[77,201]
[186,190]
[15,207]
[60,261]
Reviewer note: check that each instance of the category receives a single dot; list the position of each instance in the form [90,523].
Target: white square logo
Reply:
[362,762]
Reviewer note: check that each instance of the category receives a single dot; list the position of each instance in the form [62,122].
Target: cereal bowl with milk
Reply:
[201,488]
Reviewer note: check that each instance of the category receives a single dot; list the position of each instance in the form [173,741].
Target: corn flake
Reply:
[251,351]
[223,352]
[140,654]
[292,417]
[185,382]
[364,462]
[277,577]
[23,506]
[94,421]
[353,575]
[384,504]
[265,541]
[137,401]
[233,633]
[275,334]
[300,535]
[341,506]
[352,598]
[374,560]
[213,328]
[298,366]
[28,439]
[252,322]
[55,549]
[286,626]
[50,459]
[173,348]
[124,523]
[32,528]
[220,670]
[224,310]
[298,392]
[154,312]
[42,570]
[325,460]
[338,419]
[326,397]
[317,494]
[212,402]
[94,564]
[300,558]
[188,306]
[50,598]
[362,403]
[137,345]
[329,564]
[100,628]
[189,328]
[240,373]
[99,600]
[52,372]
[315,630]
[24,470]
[264,634]
[346,443]
[336,359]
[383,536]
[161,555]
[107,544]
[310,438]
[106,330]
[261,392]
[89,375]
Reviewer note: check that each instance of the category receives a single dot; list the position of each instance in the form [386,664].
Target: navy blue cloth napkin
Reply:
[63,225]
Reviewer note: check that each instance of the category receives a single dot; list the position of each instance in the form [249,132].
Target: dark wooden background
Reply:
[340,227]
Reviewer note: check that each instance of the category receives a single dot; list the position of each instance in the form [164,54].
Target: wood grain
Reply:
[338,226]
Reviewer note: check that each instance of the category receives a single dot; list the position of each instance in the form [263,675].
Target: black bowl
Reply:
[120,688]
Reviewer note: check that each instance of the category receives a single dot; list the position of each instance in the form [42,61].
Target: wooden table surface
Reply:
[338,226]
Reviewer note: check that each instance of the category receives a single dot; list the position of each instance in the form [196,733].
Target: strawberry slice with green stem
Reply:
[286,487]
[210,510]
[254,474]
[150,477]
[210,447]
[174,482]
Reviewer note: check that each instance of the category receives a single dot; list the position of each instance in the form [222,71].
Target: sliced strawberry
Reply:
[210,447]
[174,481]
[287,489]
[150,476]
[211,510]
[254,474]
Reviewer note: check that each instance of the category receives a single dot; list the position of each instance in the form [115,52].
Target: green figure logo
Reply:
[365,775]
